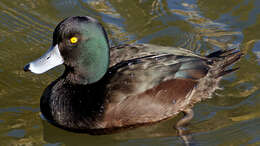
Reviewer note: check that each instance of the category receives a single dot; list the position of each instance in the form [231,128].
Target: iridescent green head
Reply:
[81,44]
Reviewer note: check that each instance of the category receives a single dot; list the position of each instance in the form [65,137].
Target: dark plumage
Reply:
[105,89]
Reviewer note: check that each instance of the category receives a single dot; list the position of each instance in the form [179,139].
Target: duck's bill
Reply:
[46,62]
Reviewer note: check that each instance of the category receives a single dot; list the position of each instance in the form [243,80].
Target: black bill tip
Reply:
[26,68]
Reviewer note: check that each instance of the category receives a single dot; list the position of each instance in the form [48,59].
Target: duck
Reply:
[104,89]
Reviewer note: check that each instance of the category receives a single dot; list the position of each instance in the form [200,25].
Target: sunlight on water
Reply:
[232,117]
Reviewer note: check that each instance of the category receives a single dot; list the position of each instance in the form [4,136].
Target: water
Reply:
[232,117]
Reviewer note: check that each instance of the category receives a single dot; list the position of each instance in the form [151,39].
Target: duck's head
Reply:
[81,44]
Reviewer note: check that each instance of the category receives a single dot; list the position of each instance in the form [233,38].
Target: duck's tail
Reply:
[220,60]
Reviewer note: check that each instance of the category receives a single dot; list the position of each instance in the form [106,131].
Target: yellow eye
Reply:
[74,40]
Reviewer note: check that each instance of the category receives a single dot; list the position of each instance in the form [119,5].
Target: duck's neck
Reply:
[85,75]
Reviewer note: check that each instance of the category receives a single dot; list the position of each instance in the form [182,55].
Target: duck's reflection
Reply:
[164,130]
